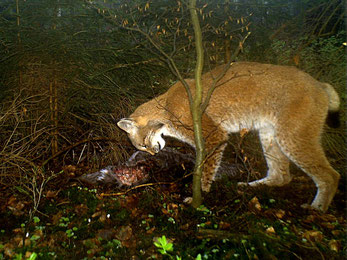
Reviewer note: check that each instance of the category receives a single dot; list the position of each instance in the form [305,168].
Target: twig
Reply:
[77,144]
[144,185]
[134,188]
[221,75]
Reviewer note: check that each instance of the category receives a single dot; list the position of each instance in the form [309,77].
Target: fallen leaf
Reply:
[280,213]
[11,200]
[328,218]
[27,242]
[337,233]
[185,226]
[91,242]
[334,245]
[69,169]
[17,231]
[165,212]
[313,235]
[15,206]
[254,205]
[106,234]
[27,254]
[172,207]
[38,232]
[328,225]
[134,212]
[270,230]
[56,218]
[103,217]
[9,250]
[59,237]
[224,225]
[309,219]
[51,194]
[81,209]
[150,231]
[124,233]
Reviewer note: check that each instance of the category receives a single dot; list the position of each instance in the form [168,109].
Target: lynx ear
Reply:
[127,124]
[155,125]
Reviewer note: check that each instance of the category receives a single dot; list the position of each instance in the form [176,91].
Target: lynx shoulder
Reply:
[285,105]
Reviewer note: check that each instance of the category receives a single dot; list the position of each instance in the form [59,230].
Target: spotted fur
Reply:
[287,106]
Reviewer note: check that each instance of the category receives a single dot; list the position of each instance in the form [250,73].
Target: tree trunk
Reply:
[53,107]
[196,109]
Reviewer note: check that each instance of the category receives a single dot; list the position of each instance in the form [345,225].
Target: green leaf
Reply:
[157,244]
[36,219]
[18,257]
[168,247]
[33,256]
[162,240]
[34,237]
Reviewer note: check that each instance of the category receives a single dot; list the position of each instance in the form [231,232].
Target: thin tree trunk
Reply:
[18,21]
[227,50]
[55,88]
[19,42]
[53,107]
[196,110]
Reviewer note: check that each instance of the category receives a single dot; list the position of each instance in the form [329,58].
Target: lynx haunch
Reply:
[285,105]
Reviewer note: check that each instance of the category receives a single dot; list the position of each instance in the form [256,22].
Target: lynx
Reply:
[285,105]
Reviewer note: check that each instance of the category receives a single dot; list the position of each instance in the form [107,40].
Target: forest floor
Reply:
[151,221]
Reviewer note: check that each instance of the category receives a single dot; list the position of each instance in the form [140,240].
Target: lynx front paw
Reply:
[310,207]
[269,181]
[314,207]
[242,184]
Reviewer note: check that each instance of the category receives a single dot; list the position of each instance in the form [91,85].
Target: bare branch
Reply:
[221,75]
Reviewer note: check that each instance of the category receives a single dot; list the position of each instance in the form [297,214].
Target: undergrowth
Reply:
[153,223]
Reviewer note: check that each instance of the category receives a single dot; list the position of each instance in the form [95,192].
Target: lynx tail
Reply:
[333,119]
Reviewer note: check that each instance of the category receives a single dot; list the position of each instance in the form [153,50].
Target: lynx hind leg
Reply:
[215,143]
[307,153]
[277,163]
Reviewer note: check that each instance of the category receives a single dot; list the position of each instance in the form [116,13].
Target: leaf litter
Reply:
[76,221]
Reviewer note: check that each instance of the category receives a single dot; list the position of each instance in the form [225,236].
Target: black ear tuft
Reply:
[333,119]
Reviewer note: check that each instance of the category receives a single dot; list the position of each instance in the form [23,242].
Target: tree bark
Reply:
[195,107]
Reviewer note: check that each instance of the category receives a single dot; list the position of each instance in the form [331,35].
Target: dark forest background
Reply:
[70,69]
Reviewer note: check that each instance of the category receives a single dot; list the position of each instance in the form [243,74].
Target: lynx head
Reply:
[146,137]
